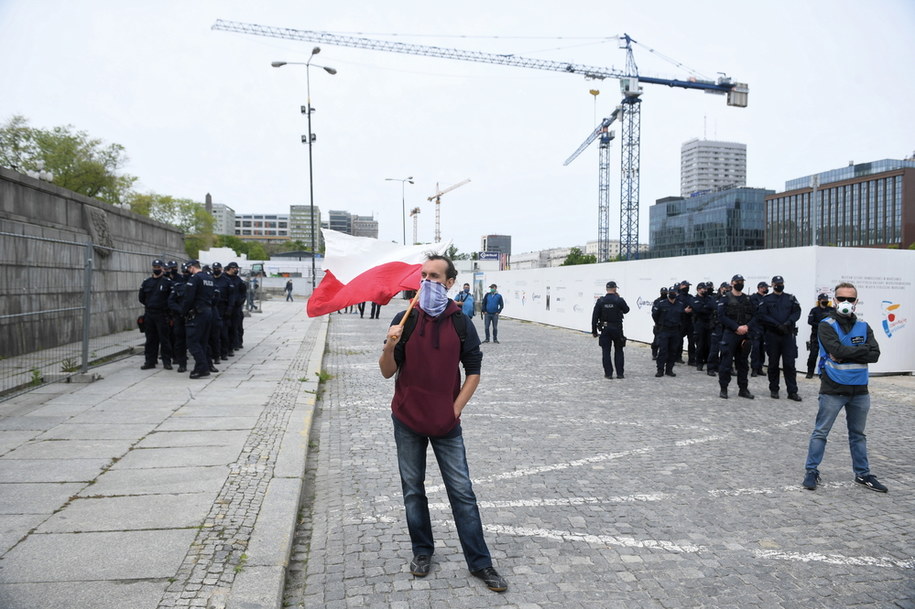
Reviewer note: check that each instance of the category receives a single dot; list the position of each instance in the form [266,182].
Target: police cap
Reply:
[611,284]
[158,262]
[822,296]
[685,282]
[172,264]
[778,279]
[664,290]
[762,284]
[737,277]
[724,284]
[217,266]
[232,265]
[673,288]
[192,262]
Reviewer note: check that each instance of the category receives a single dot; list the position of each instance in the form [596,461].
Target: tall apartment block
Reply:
[708,166]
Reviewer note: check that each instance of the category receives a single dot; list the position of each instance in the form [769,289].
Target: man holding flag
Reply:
[425,348]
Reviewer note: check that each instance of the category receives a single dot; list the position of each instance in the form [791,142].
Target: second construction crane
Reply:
[630,83]
[437,197]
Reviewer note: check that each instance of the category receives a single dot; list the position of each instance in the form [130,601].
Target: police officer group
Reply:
[198,310]
[726,332]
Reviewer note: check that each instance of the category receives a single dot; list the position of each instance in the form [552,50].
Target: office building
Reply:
[730,220]
[300,225]
[863,205]
[707,166]
[352,224]
[224,219]
[262,227]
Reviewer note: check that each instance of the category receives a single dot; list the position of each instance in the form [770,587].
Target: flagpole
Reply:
[413,301]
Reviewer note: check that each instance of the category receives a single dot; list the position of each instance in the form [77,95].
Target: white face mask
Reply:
[845,308]
[433,297]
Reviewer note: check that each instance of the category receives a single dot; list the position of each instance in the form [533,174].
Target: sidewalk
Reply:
[149,490]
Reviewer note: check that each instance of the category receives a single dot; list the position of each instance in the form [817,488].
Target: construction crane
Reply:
[630,83]
[603,132]
[414,213]
[437,197]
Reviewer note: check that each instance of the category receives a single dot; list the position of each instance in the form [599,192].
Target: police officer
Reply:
[814,317]
[197,308]
[654,340]
[154,296]
[237,310]
[179,330]
[778,314]
[736,313]
[703,306]
[686,331]
[668,317]
[714,348]
[225,301]
[607,318]
[757,336]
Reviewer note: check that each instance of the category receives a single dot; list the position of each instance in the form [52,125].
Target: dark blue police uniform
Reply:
[778,315]
[607,318]
[197,308]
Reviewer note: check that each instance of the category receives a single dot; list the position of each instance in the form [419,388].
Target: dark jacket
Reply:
[154,293]
[779,313]
[668,315]
[492,303]
[608,311]
[867,353]
[428,371]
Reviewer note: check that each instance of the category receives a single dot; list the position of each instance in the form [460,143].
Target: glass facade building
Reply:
[864,205]
[729,220]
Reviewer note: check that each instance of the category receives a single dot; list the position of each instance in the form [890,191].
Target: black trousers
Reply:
[782,349]
[198,337]
[733,349]
[670,348]
[158,337]
[611,342]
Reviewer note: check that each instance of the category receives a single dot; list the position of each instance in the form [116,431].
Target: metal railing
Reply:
[65,308]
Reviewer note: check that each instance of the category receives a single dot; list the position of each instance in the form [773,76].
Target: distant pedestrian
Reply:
[465,299]
[491,308]
[847,346]
[288,290]
[426,409]
[607,322]
[375,313]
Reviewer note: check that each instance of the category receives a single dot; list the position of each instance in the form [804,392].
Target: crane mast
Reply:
[629,111]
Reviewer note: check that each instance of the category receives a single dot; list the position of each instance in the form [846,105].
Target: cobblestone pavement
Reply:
[635,492]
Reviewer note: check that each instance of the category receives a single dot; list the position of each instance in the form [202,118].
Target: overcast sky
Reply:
[202,111]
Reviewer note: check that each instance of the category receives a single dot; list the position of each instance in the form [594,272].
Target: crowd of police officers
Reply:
[198,310]
[726,332]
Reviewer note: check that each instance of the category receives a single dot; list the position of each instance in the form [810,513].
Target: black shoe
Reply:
[773,395]
[492,579]
[224,356]
[182,368]
[214,369]
[659,374]
[215,361]
[608,376]
[230,354]
[711,373]
[809,375]
[670,373]
[745,393]
[198,375]
[756,373]
[700,367]
[620,376]
[723,394]
[495,341]
[486,341]
[794,397]
[811,480]
[421,565]
[167,366]
[147,366]
[871,482]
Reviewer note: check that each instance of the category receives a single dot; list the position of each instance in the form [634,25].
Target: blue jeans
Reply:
[491,318]
[856,407]
[452,462]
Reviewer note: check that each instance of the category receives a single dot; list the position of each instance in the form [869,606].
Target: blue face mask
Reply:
[433,297]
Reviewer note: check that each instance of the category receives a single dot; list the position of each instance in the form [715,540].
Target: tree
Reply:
[75,161]
[453,254]
[257,252]
[576,256]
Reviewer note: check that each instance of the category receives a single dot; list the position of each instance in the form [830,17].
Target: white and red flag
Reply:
[360,269]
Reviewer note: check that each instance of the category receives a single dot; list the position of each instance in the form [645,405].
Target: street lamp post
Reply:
[403,205]
[309,139]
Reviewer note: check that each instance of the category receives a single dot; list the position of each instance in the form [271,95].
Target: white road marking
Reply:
[609,540]
[562,501]
[838,559]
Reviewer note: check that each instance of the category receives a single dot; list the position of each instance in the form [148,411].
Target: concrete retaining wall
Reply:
[43,256]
